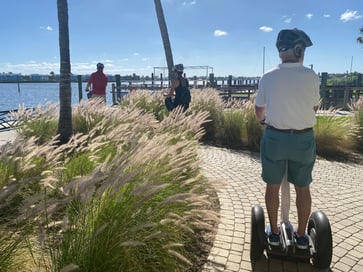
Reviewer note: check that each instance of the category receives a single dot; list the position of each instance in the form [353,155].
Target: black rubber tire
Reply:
[258,236]
[320,232]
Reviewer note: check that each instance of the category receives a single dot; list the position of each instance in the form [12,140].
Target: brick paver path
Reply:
[336,190]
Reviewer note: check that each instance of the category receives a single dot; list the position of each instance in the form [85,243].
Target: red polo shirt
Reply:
[99,82]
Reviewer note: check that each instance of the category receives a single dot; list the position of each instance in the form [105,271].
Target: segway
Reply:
[320,248]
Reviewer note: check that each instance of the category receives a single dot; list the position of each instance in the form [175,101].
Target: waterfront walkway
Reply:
[7,136]
[336,190]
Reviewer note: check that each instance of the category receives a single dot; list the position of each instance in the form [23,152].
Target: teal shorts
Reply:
[281,150]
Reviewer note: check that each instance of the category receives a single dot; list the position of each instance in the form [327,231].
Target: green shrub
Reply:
[232,129]
[8,169]
[151,102]
[130,187]
[39,122]
[254,129]
[357,109]
[209,100]
[334,135]
[78,165]
[10,244]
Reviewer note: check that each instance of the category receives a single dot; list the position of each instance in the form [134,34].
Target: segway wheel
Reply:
[319,231]
[258,236]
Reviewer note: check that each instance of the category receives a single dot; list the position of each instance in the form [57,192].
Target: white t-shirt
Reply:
[289,92]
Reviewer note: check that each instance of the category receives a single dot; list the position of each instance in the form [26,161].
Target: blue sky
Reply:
[228,35]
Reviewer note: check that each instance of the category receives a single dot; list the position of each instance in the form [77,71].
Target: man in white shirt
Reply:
[286,101]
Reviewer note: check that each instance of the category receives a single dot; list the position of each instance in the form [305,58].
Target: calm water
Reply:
[33,94]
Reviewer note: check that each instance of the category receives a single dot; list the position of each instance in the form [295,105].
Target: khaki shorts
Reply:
[297,152]
[99,96]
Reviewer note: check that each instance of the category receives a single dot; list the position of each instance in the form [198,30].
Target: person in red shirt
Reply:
[98,82]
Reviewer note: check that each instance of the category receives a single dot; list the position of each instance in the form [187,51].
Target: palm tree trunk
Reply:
[164,36]
[65,93]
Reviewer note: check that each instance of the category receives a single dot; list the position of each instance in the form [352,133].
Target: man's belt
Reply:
[291,131]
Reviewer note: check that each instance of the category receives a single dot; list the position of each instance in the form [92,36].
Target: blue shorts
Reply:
[296,151]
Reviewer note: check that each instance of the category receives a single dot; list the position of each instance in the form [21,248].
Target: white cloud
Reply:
[309,16]
[349,15]
[32,67]
[81,68]
[189,3]
[326,15]
[49,28]
[266,28]
[219,33]
[288,20]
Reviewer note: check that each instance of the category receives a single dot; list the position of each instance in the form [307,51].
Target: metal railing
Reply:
[7,120]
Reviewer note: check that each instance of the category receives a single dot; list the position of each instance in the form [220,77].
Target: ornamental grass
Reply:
[124,194]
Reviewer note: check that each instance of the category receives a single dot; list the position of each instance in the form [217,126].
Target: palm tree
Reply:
[164,36]
[65,93]
[360,38]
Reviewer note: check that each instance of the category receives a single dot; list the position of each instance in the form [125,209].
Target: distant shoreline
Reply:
[35,81]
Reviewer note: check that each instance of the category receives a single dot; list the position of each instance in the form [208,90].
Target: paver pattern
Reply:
[336,190]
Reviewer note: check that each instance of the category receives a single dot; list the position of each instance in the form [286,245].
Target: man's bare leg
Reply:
[272,205]
[303,205]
